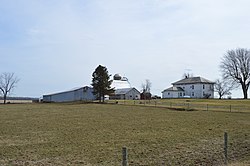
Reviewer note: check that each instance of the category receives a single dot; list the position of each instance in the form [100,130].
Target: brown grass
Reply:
[94,134]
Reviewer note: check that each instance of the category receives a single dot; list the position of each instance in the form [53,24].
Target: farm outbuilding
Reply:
[126,94]
[120,82]
[77,94]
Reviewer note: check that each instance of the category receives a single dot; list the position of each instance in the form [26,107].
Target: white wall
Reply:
[196,90]
[132,94]
[84,93]
[171,94]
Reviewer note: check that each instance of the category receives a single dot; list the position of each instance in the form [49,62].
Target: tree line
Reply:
[234,66]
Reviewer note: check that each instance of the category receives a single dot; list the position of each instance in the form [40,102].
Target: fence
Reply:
[187,105]
[223,155]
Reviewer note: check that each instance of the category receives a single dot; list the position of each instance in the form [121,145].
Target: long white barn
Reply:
[77,94]
[193,87]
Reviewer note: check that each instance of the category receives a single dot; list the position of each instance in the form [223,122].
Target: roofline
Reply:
[129,90]
[173,90]
[194,83]
[72,90]
[200,82]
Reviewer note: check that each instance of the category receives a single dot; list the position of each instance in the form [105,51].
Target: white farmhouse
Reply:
[77,94]
[193,87]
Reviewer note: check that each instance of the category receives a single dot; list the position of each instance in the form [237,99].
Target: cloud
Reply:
[63,41]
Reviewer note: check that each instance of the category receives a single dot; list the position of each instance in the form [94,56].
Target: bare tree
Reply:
[146,95]
[235,67]
[146,86]
[7,83]
[223,88]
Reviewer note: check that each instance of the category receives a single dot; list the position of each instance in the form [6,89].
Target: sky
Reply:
[55,45]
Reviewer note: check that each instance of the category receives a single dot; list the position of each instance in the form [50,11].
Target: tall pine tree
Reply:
[101,83]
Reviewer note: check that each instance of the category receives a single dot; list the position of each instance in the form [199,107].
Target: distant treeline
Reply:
[19,98]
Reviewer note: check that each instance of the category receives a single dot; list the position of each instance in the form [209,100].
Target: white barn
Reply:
[126,94]
[123,89]
[193,87]
[120,82]
[77,94]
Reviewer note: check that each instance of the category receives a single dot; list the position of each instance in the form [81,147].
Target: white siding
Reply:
[196,90]
[170,94]
[127,93]
[84,93]
[132,95]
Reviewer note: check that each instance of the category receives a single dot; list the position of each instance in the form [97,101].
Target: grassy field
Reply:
[193,104]
[94,134]
[17,101]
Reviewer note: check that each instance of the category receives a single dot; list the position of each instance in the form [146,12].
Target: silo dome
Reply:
[117,77]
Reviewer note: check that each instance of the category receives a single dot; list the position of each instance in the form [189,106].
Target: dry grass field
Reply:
[16,101]
[94,134]
[239,106]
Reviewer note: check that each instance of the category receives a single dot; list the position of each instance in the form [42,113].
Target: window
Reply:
[168,93]
[180,94]
[192,93]
[192,87]
[203,86]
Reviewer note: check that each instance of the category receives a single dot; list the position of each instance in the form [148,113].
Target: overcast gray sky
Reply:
[55,45]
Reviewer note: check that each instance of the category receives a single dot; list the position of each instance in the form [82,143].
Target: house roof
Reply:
[124,91]
[193,80]
[173,89]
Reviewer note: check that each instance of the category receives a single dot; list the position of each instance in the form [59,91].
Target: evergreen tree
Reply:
[101,82]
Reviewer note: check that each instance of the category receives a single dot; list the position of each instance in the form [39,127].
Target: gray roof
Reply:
[174,89]
[124,91]
[193,80]
[71,90]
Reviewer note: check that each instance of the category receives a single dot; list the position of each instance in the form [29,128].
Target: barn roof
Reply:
[71,90]
[124,91]
[120,84]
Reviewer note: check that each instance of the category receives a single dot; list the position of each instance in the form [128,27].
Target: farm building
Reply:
[120,82]
[146,96]
[123,89]
[77,94]
[193,87]
[126,94]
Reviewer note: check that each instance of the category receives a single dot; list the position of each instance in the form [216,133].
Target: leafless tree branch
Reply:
[8,82]
[235,67]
